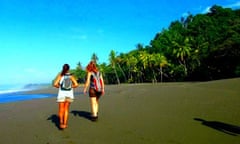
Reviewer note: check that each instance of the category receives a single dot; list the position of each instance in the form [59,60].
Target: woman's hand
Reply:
[56,82]
[56,85]
[103,92]
[85,91]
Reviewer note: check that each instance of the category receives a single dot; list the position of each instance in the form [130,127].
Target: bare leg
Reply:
[66,111]
[61,113]
[94,106]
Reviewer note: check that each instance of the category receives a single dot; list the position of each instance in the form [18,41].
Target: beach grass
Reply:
[162,113]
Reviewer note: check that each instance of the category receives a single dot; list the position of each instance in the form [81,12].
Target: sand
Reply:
[163,113]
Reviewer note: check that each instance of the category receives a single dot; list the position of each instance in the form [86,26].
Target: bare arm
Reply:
[103,85]
[56,82]
[87,83]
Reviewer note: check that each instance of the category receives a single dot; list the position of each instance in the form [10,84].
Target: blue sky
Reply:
[39,36]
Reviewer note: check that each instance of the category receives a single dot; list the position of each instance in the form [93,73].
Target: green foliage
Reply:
[200,47]
[79,73]
[237,71]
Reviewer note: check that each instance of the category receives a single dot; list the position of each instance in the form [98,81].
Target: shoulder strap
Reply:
[67,74]
[98,74]
[95,74]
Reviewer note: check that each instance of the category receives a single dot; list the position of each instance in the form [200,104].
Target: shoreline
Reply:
[48,91]
[146,113]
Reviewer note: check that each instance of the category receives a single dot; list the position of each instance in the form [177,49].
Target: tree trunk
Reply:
[161,73]
[118,81]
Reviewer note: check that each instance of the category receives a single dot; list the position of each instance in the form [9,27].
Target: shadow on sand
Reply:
[84,114]
[220,126]
[54,118]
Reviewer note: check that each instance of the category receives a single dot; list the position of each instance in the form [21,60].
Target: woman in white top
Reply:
[65,96]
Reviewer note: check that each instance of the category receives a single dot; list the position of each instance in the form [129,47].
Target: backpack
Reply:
[66,82]
[97,82]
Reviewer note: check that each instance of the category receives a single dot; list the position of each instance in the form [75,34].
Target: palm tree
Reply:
[94,58]
[118,60]
[139,47]
[152,63]
[79,66]
[112,59]
[103,68]
[161,61]
[182,51]
[144,60]
[131,63]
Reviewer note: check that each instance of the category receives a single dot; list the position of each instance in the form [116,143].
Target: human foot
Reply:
[63,126]
[94,118]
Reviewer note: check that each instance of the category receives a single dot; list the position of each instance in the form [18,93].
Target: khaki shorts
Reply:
[63,99]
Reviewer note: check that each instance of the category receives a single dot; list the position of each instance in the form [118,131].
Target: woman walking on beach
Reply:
[65,82]
[94,94]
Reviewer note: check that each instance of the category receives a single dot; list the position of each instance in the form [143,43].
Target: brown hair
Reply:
[65,69]
[91,67]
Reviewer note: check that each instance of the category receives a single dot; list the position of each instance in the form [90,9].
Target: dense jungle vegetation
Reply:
[198,47]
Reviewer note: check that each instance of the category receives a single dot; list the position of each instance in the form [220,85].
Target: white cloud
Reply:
[234,5]
[206,10]
[185,14]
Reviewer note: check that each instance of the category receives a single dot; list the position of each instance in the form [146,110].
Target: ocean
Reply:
[13,93]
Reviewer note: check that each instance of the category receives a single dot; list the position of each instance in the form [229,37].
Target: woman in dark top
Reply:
[93,94]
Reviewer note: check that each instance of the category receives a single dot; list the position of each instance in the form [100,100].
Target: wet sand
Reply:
[163,113]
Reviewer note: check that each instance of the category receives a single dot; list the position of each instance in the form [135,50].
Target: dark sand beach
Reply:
[163,113]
